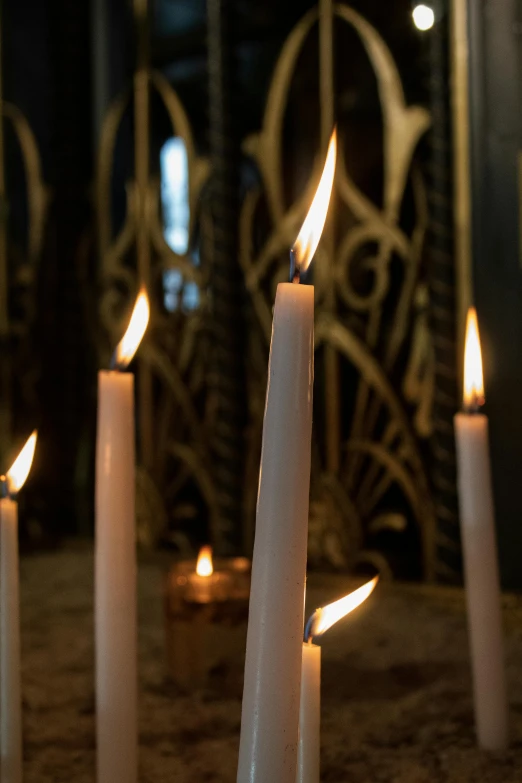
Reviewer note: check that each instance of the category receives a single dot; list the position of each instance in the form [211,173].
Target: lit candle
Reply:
[206,610]
[205,585]
[115,563]
[477,522]
[270,715]
[309,759]
[10,678]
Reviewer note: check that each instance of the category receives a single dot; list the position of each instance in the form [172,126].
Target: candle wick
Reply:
[295,269]
[114,366]
[309,627]
[474,404]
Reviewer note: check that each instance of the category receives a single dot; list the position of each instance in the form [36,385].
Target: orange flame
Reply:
[131,340]
[473,377]
[204,566]
[19,470]
[325,617]
[308,238]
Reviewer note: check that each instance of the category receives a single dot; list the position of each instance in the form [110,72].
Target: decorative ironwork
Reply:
[226,378]
[380,452]
[441,248]
[17,280]
[376,378]
[173,440]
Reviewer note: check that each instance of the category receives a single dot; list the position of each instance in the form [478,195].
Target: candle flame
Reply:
[19,470]
[204,566]
[323,618]
[473,377]
[308,238]
[131,340]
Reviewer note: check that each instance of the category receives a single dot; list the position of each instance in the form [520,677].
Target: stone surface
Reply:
[396,687]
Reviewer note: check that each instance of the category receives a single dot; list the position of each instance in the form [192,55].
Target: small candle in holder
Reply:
[206,607]
[205,585]
[308,756]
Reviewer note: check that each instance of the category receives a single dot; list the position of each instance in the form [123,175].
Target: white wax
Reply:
[115,582]
[270,716]
[483,595]
[10,678]
[309,757]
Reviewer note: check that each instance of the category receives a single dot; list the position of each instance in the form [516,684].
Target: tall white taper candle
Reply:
[10,677]
[10,663]
[477,521]
[477,524]
[115,565]
[270,716]
[115,582]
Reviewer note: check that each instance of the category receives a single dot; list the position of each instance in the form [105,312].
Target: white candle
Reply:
[477,521]
[309,758]
[115,565]
[10,676]
[270,715]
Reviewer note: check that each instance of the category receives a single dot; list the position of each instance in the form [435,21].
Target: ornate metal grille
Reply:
[374,355]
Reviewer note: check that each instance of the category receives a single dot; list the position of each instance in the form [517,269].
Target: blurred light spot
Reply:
[174,194]
[172,285]
[190,296]
[176,217]
[423,17]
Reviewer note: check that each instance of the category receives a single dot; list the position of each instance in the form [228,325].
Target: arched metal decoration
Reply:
[375,338]
[173,445]
[19,286]
[380,452]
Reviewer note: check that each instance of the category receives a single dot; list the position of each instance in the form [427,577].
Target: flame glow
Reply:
[18,472]
[306,243]
[130,341]
[204,566]
[324,618]
[473,377]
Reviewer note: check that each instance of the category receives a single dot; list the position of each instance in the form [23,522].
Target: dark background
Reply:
[63,62]
[496,133]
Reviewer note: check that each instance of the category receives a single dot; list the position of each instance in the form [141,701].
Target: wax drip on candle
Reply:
[473,396]
[130,341]
[305,245]
[326,616]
